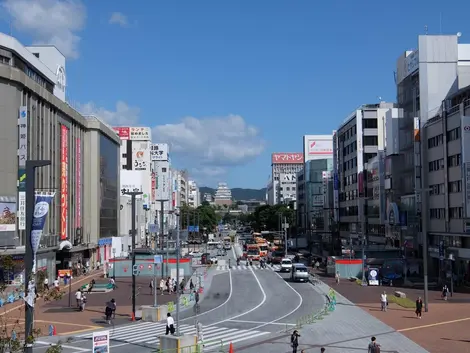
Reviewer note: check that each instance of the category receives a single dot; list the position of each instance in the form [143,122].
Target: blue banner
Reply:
[41,209]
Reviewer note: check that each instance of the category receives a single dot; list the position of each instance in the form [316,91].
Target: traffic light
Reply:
[135,270]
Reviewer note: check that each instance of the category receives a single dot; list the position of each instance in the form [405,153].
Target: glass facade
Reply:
[314,185]
[109,177]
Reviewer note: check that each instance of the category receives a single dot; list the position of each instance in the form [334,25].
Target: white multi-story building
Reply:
[282,186]
[136,172]
[223,195]
[194,196]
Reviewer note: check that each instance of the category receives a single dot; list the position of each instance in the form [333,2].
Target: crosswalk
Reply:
[148,333]
[247,268]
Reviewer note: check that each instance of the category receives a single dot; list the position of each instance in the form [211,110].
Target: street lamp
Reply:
[114,263]
[31,166]
[69,275]
[178,292]
[133,195]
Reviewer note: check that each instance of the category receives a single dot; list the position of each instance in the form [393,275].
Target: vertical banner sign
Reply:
[101,342]
[41,209]
[154,187]
[466,161]
[22,210]
[22,157]
[78,181]
[64,189]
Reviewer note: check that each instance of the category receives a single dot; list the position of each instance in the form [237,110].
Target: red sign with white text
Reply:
[287,158]
[154,187]
[124,133]
[173,199]
[78,178]
[64,180]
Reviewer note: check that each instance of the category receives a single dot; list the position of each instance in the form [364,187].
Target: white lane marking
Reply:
[217,307]
[290,313]
[248,311]
[78,349]
[260,322]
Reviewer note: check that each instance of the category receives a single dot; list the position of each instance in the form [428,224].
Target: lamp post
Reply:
[114,263]
[133,195]
[178,293]
[70,283]
[28,258]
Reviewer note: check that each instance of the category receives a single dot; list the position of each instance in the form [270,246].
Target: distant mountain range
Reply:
[239,194]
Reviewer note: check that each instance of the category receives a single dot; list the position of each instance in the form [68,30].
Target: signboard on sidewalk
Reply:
[101,342]
[157,259]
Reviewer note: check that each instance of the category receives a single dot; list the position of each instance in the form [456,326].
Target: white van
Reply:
[299,273]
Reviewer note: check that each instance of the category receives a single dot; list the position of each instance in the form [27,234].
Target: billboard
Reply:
[78,183]
[159,152]
[141,156]
[131,179]
[7,216]
[153,191]
[465,128]
[123,132]
[287,158]
[317,147]
[163,181]
[133,133]
[64,180]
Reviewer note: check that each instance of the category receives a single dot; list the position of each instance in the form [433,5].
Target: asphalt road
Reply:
[242,307]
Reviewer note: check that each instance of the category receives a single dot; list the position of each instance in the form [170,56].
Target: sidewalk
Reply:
[443,329]
[347,329]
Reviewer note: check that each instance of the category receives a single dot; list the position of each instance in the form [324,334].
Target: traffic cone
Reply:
[132,317]
[230,350]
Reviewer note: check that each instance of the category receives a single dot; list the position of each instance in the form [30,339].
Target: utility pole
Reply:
[178,293]
[285,235]
[162,235]
[133,195]
[30,285]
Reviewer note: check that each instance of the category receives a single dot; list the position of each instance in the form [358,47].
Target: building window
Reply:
[455,186]
[436,189]
[438,164]
[437,213]
[435,141]
[454,161]
[453,134]
[456,212]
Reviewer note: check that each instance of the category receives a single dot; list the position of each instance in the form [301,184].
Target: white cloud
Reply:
[118,18]
[208,171]
[212,141]
[53,22]
[123,115]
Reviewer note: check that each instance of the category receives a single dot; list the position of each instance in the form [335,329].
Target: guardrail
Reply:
[224,347]
[330,306]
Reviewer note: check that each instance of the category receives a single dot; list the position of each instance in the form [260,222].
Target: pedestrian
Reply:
[167,284]
[78,297]
[83,302]
[419,307]
[57,284]
[374,347]
[317,265]
[170,324]
[182,285]
[46,284]
[294,341]
[337,276]
[196,297]
[445,292]
[191,285]
[200,333]
[110,310]
[322,350]
[162,285]
[383,301]
[151,286]
[91,285]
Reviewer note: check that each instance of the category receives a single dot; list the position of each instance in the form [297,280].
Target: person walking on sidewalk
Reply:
[170,324]
[78,297]
[337,276]
[383,301]
[374,347]
[162,286]
[191,285]
[445,292]
[151,286]
[419,307]
[294,341]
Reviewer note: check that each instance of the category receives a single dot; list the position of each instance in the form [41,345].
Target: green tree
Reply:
[207,217]
[268,217]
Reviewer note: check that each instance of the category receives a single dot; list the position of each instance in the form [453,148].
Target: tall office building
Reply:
[282,186]
[194,196]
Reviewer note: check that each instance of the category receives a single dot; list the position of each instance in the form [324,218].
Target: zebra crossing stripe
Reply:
[244,268]
[149,332]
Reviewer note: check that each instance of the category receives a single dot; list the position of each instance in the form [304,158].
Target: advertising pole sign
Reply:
[64,188]
[101,342]
[78,178]
[41,209]
[22,157]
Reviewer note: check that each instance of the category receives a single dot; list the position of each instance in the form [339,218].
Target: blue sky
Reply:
[227,83]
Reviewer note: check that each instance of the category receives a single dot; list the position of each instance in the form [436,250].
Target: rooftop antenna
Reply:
[426,29]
